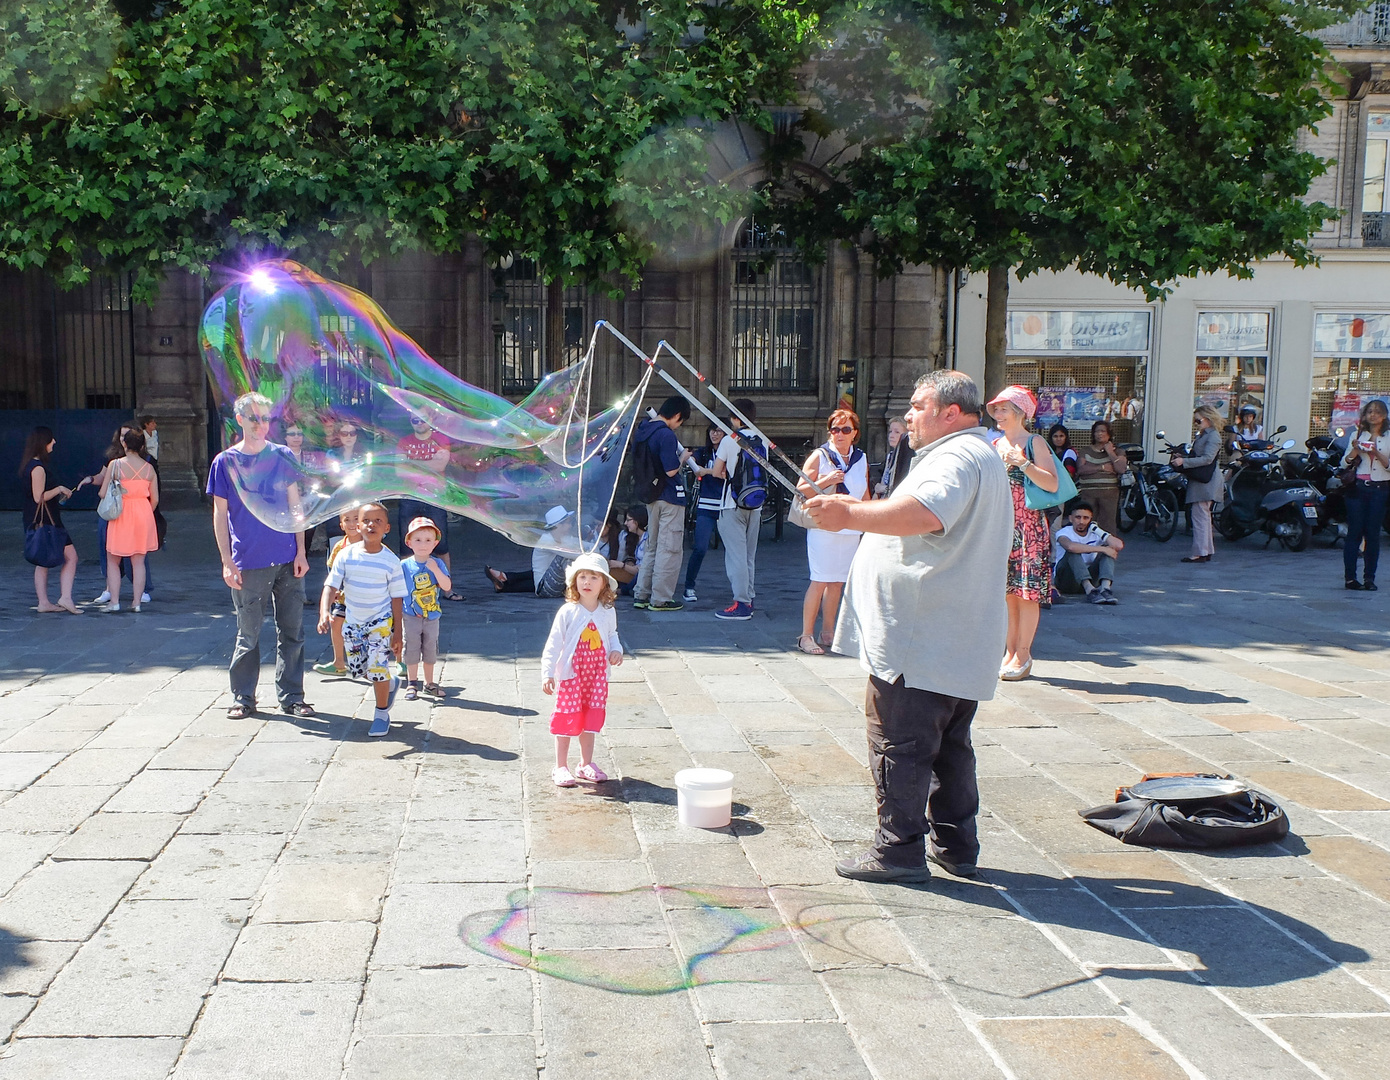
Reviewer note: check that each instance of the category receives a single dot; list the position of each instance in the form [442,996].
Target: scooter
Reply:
[1259,497]
[1319,467]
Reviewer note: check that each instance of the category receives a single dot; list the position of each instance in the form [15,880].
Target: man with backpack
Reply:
[742,513]
[657,457]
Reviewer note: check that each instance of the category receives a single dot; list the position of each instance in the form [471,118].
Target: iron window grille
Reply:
[774,303]
[520,337]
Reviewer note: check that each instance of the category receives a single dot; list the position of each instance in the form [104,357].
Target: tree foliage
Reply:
[177,133]
[1142,140]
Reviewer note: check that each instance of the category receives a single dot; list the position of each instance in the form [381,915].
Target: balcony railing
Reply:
[1375,230]
[1365,29]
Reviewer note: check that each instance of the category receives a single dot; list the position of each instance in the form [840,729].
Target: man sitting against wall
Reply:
[1085,557]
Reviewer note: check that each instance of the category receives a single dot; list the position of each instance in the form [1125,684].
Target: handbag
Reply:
[797,515]
[1036,498]
[114,500]
[1227,815]
[1201,474]
[44,543]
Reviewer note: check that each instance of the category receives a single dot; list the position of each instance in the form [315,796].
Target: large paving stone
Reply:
[145,973]
[594,1032]
[119,836]
[407,1057]
[253,806]
[269,1031]
[27,967]
[1344,1048]
[96,766]
[52,808]
[461,1001]
[197,867]
[420,923]
[66,901]
[71,1059]
[1079,1049]
[310,891]
[755,1051]
[301,952]
[163,792]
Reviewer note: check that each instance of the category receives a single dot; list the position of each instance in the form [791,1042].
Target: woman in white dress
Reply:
[839,466]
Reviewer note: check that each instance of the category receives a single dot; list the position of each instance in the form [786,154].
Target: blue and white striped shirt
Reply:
[369,580]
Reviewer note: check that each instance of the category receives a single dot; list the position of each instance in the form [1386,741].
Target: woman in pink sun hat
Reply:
[1026,454]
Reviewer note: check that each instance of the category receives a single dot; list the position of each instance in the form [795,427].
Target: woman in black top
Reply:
[33,467]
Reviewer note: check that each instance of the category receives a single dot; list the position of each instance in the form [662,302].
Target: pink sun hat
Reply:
[1020,397]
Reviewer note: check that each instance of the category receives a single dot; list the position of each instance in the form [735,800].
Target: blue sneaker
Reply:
[737,611]
[381,724]
[391,694]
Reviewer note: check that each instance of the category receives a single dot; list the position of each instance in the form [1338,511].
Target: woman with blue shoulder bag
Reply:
[1036,482]
[46,542]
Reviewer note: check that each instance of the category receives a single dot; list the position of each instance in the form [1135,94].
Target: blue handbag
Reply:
[1036,498]
[43,544]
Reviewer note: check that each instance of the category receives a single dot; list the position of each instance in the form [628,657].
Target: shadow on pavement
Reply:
[1162,691]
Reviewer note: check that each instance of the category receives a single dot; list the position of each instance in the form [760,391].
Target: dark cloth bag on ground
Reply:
[1190,810]
[44,543]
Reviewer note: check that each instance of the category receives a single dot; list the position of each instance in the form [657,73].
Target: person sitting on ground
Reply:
[351,534]
[373,587]
[615,544]
[633,549]
[1085,556]
[546,578]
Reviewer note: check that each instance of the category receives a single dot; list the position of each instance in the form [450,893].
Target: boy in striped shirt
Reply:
[373,588]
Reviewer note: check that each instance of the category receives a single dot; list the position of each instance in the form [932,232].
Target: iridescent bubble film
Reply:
[332,362]
[616,941]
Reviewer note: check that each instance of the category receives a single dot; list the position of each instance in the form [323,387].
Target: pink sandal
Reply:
[591,773]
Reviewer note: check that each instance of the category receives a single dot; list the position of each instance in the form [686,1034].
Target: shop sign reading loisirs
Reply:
[1109,332]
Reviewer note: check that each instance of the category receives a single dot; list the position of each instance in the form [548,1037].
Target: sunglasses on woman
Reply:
[842,431]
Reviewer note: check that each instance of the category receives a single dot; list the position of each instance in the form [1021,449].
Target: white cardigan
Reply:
[570,622]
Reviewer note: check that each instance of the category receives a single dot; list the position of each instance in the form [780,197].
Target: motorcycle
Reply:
[1319,467]
[1147,495]
[1259,497]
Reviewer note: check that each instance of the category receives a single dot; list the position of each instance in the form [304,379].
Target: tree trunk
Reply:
[554,324]
[996,326]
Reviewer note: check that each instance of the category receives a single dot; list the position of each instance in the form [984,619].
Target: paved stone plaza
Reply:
[194,897]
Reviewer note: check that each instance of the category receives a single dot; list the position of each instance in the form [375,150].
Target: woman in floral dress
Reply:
[1030,565]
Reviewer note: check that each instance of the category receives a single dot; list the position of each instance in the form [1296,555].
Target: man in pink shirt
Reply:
[425,447]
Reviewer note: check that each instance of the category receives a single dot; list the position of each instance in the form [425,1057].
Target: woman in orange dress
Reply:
[133,534]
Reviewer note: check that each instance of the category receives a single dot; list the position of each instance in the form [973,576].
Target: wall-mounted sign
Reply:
[1226,333]
[1078,331]
[1346,333]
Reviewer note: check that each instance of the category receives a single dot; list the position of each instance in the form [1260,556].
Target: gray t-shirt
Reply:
[931,607]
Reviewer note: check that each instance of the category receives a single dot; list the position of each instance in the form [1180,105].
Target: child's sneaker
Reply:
[391,694]
[690,596]
[144,598]
[562,776]
[328,668]
[641,605]
[591,773]
[412,691]
[381,723]
[667,605]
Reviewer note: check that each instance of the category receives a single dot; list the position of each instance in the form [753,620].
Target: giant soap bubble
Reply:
[332,363]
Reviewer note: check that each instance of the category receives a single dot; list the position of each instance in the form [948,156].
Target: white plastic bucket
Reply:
[704,797]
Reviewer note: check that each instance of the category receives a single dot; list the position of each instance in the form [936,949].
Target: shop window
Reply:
[1351,365]
[774,305]
[1375,209]
[1232,366]
[1085,366]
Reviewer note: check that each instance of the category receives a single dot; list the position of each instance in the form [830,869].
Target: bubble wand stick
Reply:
[742,439]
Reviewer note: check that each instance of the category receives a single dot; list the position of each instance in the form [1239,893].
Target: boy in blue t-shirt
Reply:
[425,576]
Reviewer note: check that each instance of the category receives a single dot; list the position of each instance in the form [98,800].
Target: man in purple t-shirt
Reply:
[259,563]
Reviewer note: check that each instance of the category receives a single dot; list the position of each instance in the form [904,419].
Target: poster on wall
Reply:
[1346,410]
[1339,333]
[1051,405]
[1084,406]
[1220,400]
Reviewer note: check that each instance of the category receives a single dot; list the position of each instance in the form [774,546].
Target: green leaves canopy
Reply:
[185,131]
[1143,140]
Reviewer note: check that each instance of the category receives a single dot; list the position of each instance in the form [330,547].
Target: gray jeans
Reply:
[738,530]
[284,592]
[1072,571]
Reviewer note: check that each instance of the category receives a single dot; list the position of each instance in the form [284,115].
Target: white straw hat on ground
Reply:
[590,560]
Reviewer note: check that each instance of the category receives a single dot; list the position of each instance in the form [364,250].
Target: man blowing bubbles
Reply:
[938,545]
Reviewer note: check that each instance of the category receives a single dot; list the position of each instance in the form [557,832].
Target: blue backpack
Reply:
[750,478]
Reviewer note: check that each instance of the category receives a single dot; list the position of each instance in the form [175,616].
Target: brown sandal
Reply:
[806,640]
[491,576]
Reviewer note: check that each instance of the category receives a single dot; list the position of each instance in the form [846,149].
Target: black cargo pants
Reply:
[924,774]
